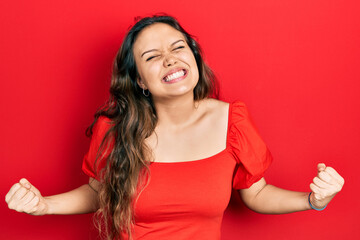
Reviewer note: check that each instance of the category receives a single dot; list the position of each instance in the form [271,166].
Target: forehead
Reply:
[156,36]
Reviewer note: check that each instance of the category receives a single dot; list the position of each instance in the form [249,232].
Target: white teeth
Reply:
[175,75]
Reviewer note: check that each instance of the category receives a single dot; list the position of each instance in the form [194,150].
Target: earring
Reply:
[146,94]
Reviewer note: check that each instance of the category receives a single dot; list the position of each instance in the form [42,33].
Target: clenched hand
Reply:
[325,186]
[24,197]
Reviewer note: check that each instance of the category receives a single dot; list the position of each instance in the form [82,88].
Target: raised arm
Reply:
[268,199]
[24,197]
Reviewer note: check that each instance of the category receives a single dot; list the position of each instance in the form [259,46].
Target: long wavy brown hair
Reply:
[133,119]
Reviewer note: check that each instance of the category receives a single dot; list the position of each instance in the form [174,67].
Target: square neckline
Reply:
[212,156]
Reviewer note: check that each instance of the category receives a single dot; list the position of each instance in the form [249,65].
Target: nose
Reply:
[169,60]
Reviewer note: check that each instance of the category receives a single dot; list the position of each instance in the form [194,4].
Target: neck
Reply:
[176,112]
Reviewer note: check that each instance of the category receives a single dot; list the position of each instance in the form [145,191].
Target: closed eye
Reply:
[180,47]
[148,59]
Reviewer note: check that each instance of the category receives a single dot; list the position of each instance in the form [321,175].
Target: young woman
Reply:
[164,155]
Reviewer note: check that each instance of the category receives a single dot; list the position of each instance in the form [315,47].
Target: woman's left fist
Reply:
[325,186]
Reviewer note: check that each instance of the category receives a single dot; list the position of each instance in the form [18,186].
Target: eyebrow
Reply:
[156,49]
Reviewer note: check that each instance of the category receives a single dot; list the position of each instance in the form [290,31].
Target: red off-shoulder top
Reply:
[186,200]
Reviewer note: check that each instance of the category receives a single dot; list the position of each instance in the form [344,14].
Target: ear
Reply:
[141,83]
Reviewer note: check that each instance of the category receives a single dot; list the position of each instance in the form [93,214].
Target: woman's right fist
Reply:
[24,197]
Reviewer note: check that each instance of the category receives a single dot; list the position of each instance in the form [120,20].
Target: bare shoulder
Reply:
[216,112]
[215,107]
[215,118]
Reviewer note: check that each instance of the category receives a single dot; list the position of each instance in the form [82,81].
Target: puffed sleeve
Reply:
[248,148]
[95,159]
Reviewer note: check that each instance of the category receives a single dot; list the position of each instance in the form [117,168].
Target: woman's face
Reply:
[165,63]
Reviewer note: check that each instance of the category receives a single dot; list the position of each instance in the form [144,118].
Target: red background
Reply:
[294,63]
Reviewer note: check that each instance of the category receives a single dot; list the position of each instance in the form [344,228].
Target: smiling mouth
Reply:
[175,75]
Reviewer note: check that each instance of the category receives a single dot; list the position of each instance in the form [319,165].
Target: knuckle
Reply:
[11,206]
[342,181]
[19,208]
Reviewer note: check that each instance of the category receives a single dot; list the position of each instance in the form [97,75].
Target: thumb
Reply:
[321,167]
[25,183]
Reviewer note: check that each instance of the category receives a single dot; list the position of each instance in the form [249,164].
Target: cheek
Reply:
[142,69]
[150,74]
[194,67]
[189,58]
[153,71]
[143,76]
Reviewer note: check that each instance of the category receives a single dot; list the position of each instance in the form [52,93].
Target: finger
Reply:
[20,204]
[15,202]
[34,202]
[321,167]
[326,177]
[316,190]
[31,207]
[321,184]
[25,183]
[11,192]
[19,194]
[27,198]
[333,173]
[29,186]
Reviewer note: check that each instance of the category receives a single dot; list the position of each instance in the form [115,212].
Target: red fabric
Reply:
[186,200]
[92,163]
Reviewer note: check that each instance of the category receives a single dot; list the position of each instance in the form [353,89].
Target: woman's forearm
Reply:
[264,198]
[274,200]
[25,197]
[78,201]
